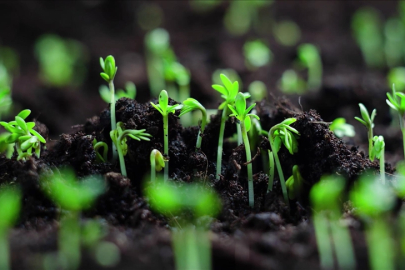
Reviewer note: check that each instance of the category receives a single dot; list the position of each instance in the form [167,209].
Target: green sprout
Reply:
[271,171]
[129,92]
[257,54]
[340,128]
[189,105]
[10,201]
[366,27]
[108,74]
[190,243]
[287,33]
[294,183]
[394,32]
[374,201]
[257,90]
[397,102]
[291,83]
[119,138]
[73,197]
[164,109]
[228,93]
[330,234]
[157,163]
[378,152]
[26,139]
[396,76]
[310,58]
[283,133]
[5,101]
[368,122]
[242,114]
[100,158]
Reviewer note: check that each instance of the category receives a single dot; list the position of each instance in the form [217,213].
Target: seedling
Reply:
[397,102]
[242,114]
[164,109]
[192,104]
[108,74]
[396,76]
[10,201]
[294,183]
[283,133]
[394,32]
[119,137]
[26,139]
[325,198]
[157,162]
[129,92]
[228,93]
[258,91]
[378,152]
[341,129]
[100,158]
[287,33]
[5,101]
[257,54]
[373,200]
[73,196]
[368,122]
[291,83]
[191,244]
[310,58]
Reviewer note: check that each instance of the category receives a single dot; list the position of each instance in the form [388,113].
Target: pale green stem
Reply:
[121,156]
[152,167]
[382,166]
[315,75]
[239,132]
[271,171]
[155,74]
[380,245]
[69,240]
[184,92]
[172,90]
[113,119]
[202,128]
[249,165]
[323,240]
[370,142]
[4,251]
[187,250]
[221,141]
[166,145]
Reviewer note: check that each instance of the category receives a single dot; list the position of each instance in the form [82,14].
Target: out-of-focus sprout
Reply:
[310,58]
[257,54]
[397,76]
[367,30]
[129,92]
[258,91]
[204,6]
[394,31]
[287,32]
[149,16]
[291,83]
[341,129]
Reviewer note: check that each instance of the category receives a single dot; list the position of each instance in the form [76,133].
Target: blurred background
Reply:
[50,50]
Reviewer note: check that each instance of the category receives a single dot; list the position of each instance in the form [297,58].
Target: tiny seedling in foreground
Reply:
[157,163]
[108,74]
[378,152]
[189,105]
[341,129]
[100,158]
[294,183]
[26,139]
[279,134]
[10,201]
[119,138]
[164,109]
[191,243]
[368,122]
[396,101]
[330,234]
[241,113]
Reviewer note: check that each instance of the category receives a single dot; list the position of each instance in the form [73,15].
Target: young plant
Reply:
[378,152]
[396,101]
[325,198]
[291,83]
[368,122]
[129,92]
[26,139]
[228,93]
[73,197]
[242,114]
[257,54]
[279,134]
[191,244]
[10,201]
[100,158]
[257,90]
[157,162]
[294,183]
[164,109]
[310,57]
[119,137]
[192,104]
[341,129]
[108,74]
[396,76]
[374,201]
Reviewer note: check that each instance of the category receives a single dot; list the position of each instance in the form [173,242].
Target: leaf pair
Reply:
[378,148]
[240,112]
[163,106]
[284,134]
[157,159]
[396,101]
[109,68]
[367,120]
[228,91]
[119,136]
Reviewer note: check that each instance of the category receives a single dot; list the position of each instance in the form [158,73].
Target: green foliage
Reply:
[287,32]
[378,152]
[163,106]
[294,183]
[228,72]
[240,112]
[157,163]
[5,101]
[257,54]
[394,32]
[340,128]
[129,92]
[26,139]
[291,83]
[310,58]
[396,76]
[368,122]
[396,101]
[157,41]
[100,158]
[192,104]
[228,91]
[70,194]
[62,61]
[326,194]
[10,201]
[257,90]
[109,68]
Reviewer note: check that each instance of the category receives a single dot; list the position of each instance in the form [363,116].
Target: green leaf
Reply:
[276,144]
[364,113]
[220,89]
[360,120]
[36,134]
[102,63]
[10,201]
[227,83]
[24,113]
[248,124]
[240,104]
[105,77]
[30,125]
[21,123]
[163,101]
[12,138]
[289,121]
